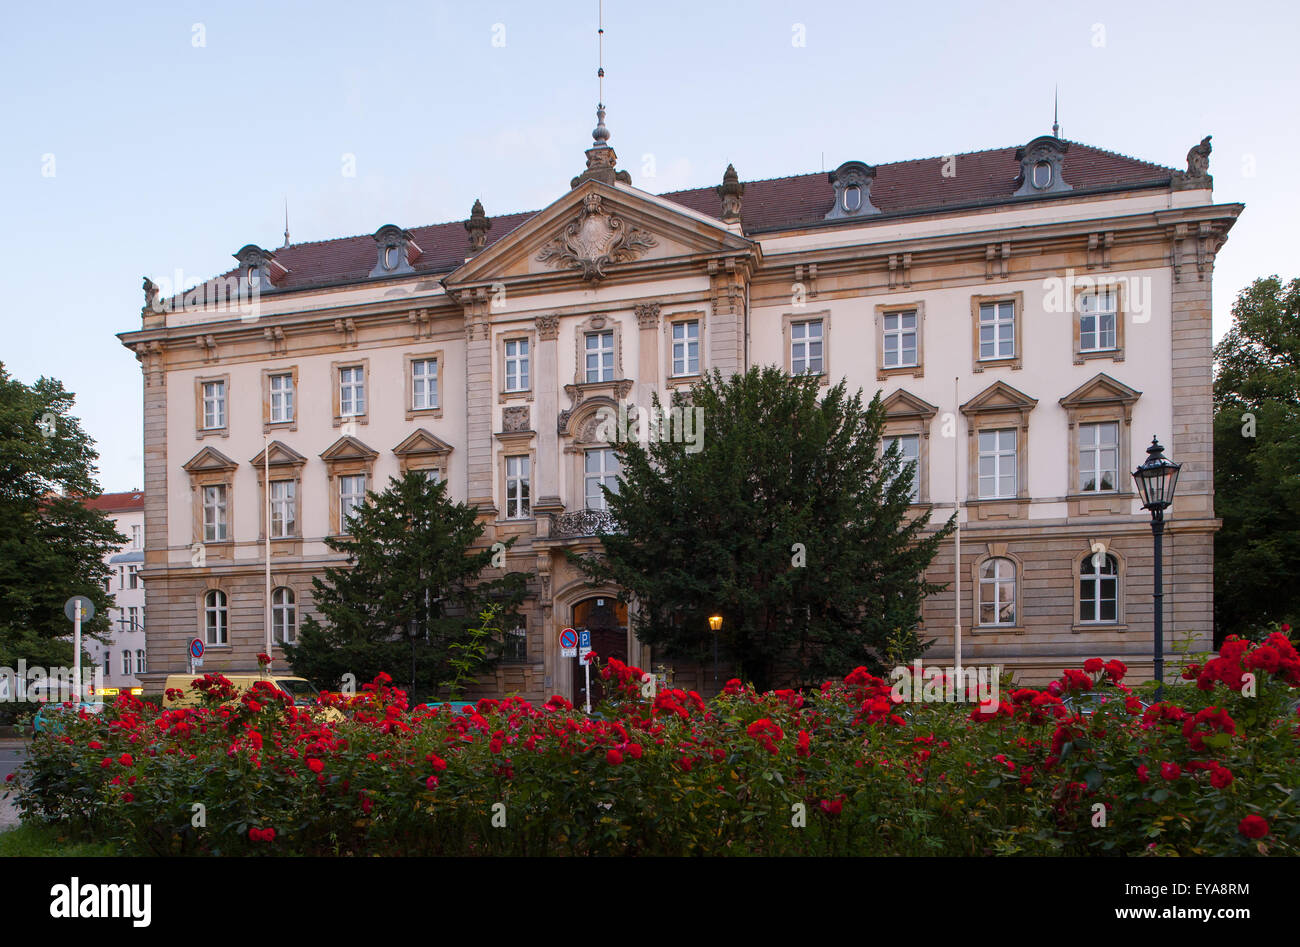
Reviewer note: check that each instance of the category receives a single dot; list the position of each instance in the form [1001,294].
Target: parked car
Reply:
[1086,702]
[300,690]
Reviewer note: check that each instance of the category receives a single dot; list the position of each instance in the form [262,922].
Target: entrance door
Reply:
[606,619]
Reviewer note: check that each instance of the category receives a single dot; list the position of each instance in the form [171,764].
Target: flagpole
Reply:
[266,479]
[956,559]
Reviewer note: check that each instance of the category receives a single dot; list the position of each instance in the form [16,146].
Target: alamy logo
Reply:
[916,683]
[34,684]
[77,900]
[655,423]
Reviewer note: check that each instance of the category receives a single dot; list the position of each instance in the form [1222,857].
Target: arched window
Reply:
[216,619]
[1099,589]
[126,662]
[997,592]
[284,615]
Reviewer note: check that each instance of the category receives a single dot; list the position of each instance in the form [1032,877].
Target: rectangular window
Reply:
[1098,312]
[806,347]
[352,494]
[214,405]
[126,662]
[214,513]
[686,348]
[133,618]
[909,445]
[424,384]
[997,464]
[137,537]
[132,577]
[899,339]
[1098,457]
[518,506]
[601,470]
[516,364]
[997,330]
[108,663]
[600,356]
[282,509]
[516,645]
[281,392]
[352,391]
[433,475]
[139,662]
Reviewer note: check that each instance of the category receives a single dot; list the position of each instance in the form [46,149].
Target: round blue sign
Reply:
[196,648]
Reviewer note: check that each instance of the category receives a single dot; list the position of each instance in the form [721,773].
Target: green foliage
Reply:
[409,567]
[51,546]
[1257,459]
[471,655]
[787,522]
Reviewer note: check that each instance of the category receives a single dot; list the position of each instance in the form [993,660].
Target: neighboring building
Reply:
[125,656]
[1033,315]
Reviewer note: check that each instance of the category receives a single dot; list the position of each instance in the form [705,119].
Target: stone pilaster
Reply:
[479,402]
[647,368]
[546,378]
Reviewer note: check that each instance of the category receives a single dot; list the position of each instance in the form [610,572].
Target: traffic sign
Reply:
[568,652]
[87,608]
[568,638]
[584,639]
[196,648]
[585,657]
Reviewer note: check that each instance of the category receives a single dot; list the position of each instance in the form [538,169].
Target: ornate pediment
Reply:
[902,404]
[595,240]
[999,396]
[348,447]
[282,455]
[422,442]
[209,459]
[1100,389]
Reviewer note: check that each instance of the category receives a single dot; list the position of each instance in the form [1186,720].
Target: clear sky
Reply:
[178,128]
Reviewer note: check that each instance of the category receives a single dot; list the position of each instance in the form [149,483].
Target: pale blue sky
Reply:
[168,155]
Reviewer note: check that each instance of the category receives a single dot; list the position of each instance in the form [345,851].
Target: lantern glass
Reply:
[715,622]
[1157,479]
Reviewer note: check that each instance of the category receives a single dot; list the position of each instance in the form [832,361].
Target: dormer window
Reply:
[397,250]
[1040,166]
[260,268]
[852,184]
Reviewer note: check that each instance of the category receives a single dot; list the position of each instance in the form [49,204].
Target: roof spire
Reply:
[1056,127]
[286,220]
[601,159]
[600,135]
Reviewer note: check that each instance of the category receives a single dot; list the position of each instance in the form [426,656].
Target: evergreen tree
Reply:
[785,519]
[51,545]
[1257,460]
[408,592]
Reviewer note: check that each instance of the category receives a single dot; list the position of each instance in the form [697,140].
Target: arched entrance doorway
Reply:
[606,618]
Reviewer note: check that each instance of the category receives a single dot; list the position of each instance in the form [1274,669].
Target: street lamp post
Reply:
[1156,481]
[715,622]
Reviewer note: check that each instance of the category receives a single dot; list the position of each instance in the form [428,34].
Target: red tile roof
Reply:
[117,502]
[982,177]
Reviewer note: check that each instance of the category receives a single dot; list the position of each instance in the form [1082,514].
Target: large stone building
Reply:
[1034,316]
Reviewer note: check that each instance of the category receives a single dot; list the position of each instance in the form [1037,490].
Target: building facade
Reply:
[1032,315]
[124,657]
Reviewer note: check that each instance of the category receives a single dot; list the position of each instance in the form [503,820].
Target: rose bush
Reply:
[846,769]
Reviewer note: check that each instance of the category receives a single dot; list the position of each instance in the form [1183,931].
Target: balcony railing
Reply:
[580,524]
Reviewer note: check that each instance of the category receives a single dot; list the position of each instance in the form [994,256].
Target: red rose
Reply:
[634,750]
[1143,774]
[128,797]
[1253,826]
[95,745]
[431,783]
[105,763]
[125,759]
[832,806]
[614,757]
[803,749]
[1221,777]
[1093,665]
[436,761]
[315,765]
[1170,771]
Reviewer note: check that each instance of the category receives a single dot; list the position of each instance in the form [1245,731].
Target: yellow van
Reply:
[299,689]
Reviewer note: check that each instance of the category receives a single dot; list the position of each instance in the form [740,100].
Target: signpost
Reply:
[77,608]
[568,643]
[585,661]
[196,654]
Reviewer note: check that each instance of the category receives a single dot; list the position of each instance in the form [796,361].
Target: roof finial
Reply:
[286,220]
[1056,127]
[600,135]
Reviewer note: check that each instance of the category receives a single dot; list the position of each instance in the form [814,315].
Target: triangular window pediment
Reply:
[903,404]
[999,396]
[422,442]
[1099,390]
[209,459]
[282,455]
[348,447]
